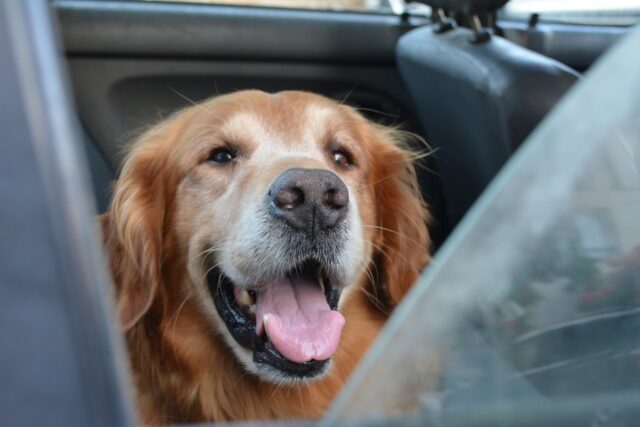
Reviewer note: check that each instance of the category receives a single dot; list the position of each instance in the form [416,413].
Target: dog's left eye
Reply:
[342,158]
[221,155]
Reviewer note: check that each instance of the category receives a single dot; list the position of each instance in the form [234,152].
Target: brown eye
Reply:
[342,158]
[221,155]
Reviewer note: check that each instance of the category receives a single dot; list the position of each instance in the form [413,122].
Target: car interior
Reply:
[132,63]
[469,79]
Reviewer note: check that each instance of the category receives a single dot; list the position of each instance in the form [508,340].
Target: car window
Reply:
[593,12]
[529,315]
[383,6]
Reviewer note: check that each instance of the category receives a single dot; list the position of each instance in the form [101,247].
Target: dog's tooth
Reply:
[321,281]
[245,298]
[252,309]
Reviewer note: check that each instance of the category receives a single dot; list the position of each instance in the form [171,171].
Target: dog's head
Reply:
[270,211]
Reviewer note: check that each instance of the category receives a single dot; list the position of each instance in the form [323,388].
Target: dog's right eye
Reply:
[221,155]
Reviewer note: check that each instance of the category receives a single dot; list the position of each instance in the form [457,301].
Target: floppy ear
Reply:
[133,230]
[403,241]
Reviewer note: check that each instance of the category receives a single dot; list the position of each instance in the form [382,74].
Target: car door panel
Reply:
[132,63]
[118,98]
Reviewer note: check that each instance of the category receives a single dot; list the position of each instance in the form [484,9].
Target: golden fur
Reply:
[184,371]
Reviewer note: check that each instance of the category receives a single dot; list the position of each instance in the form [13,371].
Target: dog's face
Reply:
[270,214]
[277,207]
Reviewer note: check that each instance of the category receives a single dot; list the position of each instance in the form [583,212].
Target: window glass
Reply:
[530,313]
[384,6]
[594,12]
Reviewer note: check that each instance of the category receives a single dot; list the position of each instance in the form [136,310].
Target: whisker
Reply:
[219,285]
[344,99]
[206,252]
[181,95]
[379,112]
[373,296]
[404,236]
[371,184]
[385,252]
[206,273]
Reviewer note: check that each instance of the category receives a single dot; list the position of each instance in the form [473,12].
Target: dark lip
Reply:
[243,327]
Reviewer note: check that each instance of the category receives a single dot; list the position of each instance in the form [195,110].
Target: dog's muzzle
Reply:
[288,314]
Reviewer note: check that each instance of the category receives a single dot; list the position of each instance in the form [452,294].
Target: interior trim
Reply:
[161,30]
[577,46]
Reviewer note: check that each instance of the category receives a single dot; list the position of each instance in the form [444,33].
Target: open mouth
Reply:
[290,323]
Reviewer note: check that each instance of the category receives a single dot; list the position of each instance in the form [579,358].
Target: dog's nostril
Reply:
[336,199]
[289,198]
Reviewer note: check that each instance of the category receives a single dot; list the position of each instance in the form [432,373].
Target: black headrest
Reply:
[468,7]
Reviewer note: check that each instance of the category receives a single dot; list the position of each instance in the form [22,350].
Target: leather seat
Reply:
[477,101]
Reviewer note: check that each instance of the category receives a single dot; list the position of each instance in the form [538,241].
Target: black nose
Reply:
[310,199]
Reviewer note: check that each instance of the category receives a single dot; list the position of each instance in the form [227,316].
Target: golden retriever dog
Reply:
[258,243]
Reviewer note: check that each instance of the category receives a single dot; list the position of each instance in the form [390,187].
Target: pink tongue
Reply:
[298,320]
